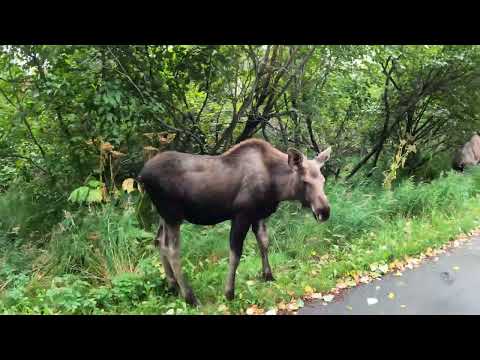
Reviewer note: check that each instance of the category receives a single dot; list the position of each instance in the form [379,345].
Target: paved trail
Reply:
[450,286]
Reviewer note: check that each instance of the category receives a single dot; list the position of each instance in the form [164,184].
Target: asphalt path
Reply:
[448,286]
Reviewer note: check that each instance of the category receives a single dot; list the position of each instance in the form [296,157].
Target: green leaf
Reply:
[79,195]
[94,196]
[94,184]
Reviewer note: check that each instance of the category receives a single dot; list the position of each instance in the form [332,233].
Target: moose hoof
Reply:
[268,277]
[174,289]
[191,300]
[230,295]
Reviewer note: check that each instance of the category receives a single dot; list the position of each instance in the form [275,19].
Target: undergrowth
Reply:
[99,260]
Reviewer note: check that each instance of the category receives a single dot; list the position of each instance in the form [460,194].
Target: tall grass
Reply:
[99,243]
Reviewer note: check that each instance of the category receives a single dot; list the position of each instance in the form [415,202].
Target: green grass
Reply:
[98,260]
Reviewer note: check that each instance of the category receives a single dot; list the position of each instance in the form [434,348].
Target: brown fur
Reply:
[468,154]
[244,185]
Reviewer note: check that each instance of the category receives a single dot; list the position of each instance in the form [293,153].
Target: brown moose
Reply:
[244,185]
[468,154]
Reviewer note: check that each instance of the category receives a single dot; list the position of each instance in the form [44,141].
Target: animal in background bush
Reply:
[468,154]
[244,185]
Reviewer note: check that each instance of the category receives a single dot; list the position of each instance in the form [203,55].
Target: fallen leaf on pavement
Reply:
[349,307]
[383,268]
[365,279]
[351,283]
[254,310]
[372,301]
[391,295]
[292,306]
[456,268]
[328,298]
[271,312]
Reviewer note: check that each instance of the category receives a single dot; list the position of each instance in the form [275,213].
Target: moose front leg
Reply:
[238,232]
[259,228]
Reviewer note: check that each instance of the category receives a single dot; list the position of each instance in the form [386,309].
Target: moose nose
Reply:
[324,213]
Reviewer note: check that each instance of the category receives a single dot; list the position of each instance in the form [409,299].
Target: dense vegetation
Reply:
[78,122]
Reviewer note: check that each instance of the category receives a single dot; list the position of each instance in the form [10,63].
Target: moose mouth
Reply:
[315,215]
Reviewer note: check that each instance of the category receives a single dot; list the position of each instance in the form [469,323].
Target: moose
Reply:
[468,154]
[244,184]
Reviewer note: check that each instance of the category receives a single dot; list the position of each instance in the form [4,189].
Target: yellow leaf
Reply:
[117,154]
[293,306]
[349,307]
[456,268]
[128,185]
[93,236]
[309,290]
[383,268]
[391,296]
[351,283]
[250,311]
[106,147]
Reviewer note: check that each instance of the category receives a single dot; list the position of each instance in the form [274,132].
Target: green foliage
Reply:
[70,113]
[91,193]
[98,260]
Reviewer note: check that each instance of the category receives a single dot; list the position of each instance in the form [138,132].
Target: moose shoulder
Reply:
[244,185]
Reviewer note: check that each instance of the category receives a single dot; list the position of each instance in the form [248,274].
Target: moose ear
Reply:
[323,157]
[295,159]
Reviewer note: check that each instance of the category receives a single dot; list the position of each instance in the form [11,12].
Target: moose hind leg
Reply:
[172,252]
[238,232]
[162,242]
[260,230]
